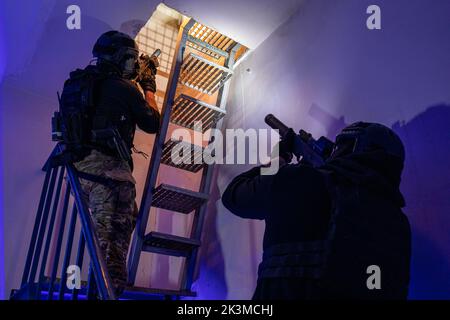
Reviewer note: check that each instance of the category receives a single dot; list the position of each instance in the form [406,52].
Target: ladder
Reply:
[198,70]
[39,280]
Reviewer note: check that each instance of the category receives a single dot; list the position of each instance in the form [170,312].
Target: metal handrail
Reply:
[101,274]
[98,270]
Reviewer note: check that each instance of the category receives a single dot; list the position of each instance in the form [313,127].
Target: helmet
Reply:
[118,49]
[362,137]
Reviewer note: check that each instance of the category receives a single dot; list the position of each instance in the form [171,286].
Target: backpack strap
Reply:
[66,158]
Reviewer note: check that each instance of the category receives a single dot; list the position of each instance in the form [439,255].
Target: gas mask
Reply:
[126,59]
[129,67]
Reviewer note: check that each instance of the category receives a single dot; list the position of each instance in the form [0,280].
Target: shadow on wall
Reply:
[426,187]
[332,124]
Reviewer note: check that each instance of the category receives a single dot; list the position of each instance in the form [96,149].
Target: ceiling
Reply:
[249,22]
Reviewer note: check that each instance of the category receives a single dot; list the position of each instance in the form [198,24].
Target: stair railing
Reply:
[50,223]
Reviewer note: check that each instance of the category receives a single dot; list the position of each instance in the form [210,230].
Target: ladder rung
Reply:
[203,75]
[205,47]
[177,199]
[187,110]
[209,41]
[169,244]
[191,161]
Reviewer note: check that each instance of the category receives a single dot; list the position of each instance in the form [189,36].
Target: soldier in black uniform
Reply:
[119,105]
[326,226]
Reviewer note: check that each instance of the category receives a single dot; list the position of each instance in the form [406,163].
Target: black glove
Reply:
[286,145]
[148,83]
[153,64]
[148,67]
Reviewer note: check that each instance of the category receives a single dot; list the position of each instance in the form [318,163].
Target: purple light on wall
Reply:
[2,253]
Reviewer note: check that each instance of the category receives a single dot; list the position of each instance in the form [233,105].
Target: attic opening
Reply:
[161,32]
[196,66]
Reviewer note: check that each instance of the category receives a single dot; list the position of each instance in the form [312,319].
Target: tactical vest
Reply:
[72,124]
[78,123]
[364,230]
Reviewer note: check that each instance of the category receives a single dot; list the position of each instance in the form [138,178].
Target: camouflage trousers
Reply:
[113,209]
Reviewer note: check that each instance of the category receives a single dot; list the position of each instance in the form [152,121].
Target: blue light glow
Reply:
[2,253]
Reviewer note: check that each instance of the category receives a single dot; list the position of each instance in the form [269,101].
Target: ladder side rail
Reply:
[152,174]
[102,278]
[32,246]
[91,288]
[42,228]
[38,220]
[67,252]
[79,261]
[48,241]
[205,186]
[57,254]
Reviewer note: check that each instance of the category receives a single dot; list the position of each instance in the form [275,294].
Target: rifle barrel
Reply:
[276,124]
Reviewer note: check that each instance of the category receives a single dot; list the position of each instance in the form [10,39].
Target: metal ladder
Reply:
[39,280]
[195,71]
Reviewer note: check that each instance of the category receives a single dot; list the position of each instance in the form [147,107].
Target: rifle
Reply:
[304,146]
[144,63]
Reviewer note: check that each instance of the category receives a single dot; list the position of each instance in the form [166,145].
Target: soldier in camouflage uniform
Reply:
[113,210]
[118,104]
